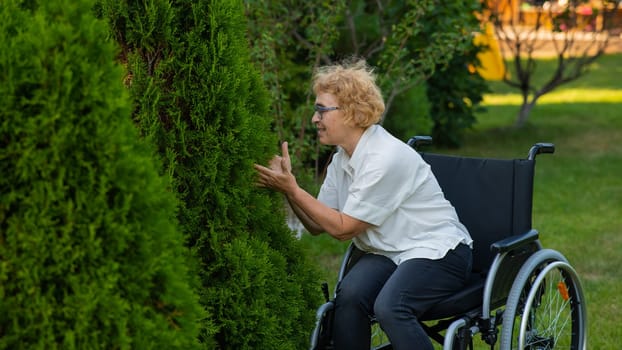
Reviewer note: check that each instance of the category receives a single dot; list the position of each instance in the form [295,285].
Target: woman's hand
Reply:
[315,216]
[278,176]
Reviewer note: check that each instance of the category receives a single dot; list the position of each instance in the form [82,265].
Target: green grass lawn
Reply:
[578,190]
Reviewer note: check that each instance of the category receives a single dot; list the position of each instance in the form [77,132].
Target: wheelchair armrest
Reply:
[321,336]
[515,241]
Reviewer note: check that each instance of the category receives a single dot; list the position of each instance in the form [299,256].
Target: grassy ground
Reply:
[578,190]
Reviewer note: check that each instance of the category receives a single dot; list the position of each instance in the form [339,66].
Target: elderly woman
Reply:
[379,193]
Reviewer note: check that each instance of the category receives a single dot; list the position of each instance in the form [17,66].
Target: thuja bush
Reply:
[199,99]
[90,254]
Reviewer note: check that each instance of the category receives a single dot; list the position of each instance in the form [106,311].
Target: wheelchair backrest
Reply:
[493,198]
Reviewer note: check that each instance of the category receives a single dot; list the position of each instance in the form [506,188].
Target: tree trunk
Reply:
[523,114]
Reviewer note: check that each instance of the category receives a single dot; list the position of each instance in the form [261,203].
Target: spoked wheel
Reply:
[545,308]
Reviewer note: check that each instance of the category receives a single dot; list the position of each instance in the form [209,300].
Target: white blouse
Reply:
[388,185]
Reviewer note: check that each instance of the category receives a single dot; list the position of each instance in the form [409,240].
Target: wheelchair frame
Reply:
[533,294]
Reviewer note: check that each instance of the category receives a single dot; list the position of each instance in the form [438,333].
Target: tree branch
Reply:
[309,46]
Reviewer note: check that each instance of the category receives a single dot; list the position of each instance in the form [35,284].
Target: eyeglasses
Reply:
[321,110]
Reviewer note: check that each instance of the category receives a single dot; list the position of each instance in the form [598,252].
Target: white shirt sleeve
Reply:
[329,194]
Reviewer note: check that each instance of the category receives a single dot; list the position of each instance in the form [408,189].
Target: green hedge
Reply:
[200,100]
[90,254]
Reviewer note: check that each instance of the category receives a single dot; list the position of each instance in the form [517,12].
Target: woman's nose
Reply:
[315,118]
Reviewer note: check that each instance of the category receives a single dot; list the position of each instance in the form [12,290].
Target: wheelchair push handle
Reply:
[417,141]
[540,147]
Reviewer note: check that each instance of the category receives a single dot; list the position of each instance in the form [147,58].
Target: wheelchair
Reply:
[520,295]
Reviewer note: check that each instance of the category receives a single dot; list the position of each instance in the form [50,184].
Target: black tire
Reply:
[545,307]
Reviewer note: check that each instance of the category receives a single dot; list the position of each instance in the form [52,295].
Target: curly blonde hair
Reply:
[353,82]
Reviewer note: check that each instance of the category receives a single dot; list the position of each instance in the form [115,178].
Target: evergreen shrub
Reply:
[202,103]
[90,254]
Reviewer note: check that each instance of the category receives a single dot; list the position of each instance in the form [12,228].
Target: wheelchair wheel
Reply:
[545,308]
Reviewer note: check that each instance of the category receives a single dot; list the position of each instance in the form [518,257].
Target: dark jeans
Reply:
[397,296]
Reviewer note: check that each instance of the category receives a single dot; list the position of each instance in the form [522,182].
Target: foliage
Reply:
[410,114]
[289,39]
[454,100]
[432,46]
[455,94]
[90,255]
[412,40]
[199,99]
[407,42]
[577,32]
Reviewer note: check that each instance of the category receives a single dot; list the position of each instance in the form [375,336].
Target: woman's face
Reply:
[331,127]
[329,123]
